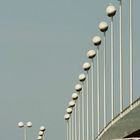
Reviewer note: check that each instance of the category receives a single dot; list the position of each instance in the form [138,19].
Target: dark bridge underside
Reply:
[134,134]
[127,126]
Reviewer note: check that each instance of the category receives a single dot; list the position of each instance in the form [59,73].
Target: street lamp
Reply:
[131,51]
[69,111]
[78,89]
[22,125]
[71,105]
[111,11]
[103,27]
[82,78]
[91,54]
[75,97]
[97,42]
[86,67]
[66,117]
[121,58]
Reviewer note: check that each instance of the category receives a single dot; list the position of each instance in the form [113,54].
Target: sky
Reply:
[43,45]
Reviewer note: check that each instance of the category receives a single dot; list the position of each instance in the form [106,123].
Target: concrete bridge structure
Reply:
[124,125]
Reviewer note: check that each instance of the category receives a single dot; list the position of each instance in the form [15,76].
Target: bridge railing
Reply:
[119,116]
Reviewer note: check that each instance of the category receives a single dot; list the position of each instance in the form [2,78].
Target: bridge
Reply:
[87,112]
[124,125]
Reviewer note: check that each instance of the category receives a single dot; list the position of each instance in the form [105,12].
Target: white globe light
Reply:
[96,40]
[69,110]
[20,124]
[72,103]
[86,66]
[103,26]
[74,96]
[78,87]
[42,128]
[66,116]
[39,138]
[41,133]
[29,124]
[111,10]
[82,77]
[91,54]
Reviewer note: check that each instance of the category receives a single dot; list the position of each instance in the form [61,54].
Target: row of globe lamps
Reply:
[103,26]
[41,134]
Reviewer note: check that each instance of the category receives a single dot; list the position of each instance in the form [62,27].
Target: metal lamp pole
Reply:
[86,67]
[111,11]
[66,117]
[131,51]
[91,54]
[82,78]
[72,104]
[78,89]
[75,97]
[103,27]
[69,111]
[97,41]
[121,58]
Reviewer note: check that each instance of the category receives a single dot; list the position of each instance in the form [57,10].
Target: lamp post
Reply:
[71,105]
[22,125]
[91,54]
[78,89]
[131,52]
[86,67]
[103,27]
[97,41]
[66,117]
[111,11]
[82,78]
[121,58]
[69,111]
[75,97]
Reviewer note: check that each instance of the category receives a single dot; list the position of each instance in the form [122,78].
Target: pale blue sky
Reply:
[43,44]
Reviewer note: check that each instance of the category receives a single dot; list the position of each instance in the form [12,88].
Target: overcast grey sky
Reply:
[43,44]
